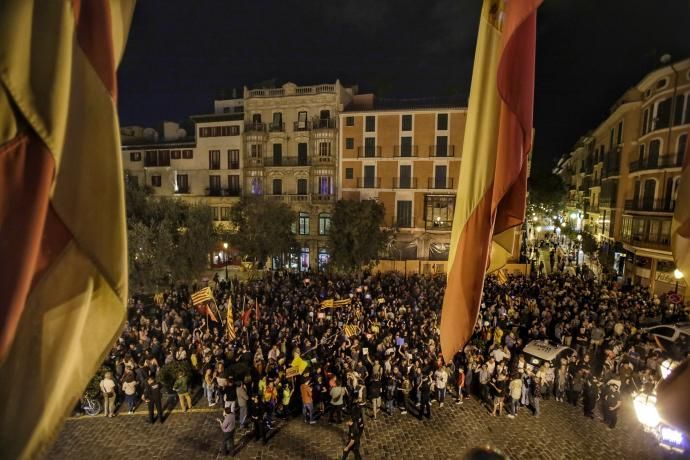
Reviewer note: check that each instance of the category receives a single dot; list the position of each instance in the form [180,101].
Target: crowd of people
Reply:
[378,353]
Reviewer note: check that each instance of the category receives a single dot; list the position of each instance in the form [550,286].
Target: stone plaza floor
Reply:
[561,432]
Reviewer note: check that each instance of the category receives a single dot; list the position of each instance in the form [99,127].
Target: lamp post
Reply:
[678,275]
[225,259]
[579,239]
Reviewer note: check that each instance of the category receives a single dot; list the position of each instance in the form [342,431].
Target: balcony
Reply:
[255,127]
[610,170]
[234,165]
[301,126]
[318,198]
[368,182]
[666,161]
[441,151]
[593,209]
[326,160]
[285,161]
[276,127]
[650,205]
[662,242]
[404,182]
[440,183]
[182,190]
[607,202]
[213,191]
[257,162]
[596,182]
[324,123]
[373,151]
[405,150]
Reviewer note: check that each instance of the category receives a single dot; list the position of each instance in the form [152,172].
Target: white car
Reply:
[537,352]
[672,337]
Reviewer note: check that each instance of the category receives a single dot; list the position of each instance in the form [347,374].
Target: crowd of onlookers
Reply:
[380,353]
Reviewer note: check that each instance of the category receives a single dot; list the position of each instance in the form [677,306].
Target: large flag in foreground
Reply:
[680,226]
[63,279]
[493,176]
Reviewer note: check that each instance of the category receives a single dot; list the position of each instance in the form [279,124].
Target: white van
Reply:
[538,352]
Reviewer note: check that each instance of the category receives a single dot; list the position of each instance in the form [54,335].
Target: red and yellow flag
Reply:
[231,322]
[493,180]
[62,214]
[680,226]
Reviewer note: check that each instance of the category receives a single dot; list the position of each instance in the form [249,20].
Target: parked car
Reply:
[673,338]
[537,352]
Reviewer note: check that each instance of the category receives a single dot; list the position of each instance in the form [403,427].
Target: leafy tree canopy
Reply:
[264,228]
[356,236]
[547,192]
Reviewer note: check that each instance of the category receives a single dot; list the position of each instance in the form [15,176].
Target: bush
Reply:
[93,389]
[169,372]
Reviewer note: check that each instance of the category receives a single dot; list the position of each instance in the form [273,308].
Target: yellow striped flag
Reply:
[680,226]
[158,298]
[62,210]
[202,296]
[231,322]
[501,276]
[292,371]
[330,303]
[493,180]
[350,329]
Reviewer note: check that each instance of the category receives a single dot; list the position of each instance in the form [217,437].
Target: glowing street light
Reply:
[225,259]
[534,219]
[678,275]
[579,237]
[538,229]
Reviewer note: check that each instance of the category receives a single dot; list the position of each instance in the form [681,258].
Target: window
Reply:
[349,143]
[324,149]
[661,84]
[164,158]
[611,135]
[370,147]
[678,111]
[175,154]
[369,176]
[438,212]
[442,122]
[349,173]
[182,184]
[303,223]
[645,120]
[187,154]
[255,150]
[440,176]
[302,154]
[663,113]
[233,159]
[151,158]
[214,185]
[686,119]
[214,159]
[134,156]
[349,121]
[302,187]
[404,214]
[325,185]
[324,223]
[234,185]
[406,146]
[370,123]
[132,180]
[619,139]
[277,154]
[277,186]
[405,180]
[653,154]
[256,118]
[406,124]
[301,120]
[682,145]
[216,213]
[156,181]
[441,146]
[257,186]
[225,213]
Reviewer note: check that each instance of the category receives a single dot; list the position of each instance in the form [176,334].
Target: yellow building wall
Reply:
[424,132]
[387,133]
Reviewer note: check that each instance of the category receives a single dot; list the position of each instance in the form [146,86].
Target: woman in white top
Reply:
[129,387]
[107,386]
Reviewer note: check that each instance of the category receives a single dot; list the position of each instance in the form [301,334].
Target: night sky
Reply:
[183,53]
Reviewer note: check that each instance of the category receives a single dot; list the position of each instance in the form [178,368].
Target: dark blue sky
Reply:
[183,53]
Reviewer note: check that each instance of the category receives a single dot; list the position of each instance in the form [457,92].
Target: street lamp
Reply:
[225,259]
[678,275]
[577,257]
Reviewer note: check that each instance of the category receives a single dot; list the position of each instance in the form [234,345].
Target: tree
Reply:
[547,192]
[356,236]
[264,228]
[168,240]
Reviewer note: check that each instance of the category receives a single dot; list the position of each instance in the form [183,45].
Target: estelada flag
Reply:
[492,187]
[350,329]
[63,286]
[202,296]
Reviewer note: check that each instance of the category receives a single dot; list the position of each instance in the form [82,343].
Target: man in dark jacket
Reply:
[353,436]
[153,397]
[591,395]
[425,397]
[256,414]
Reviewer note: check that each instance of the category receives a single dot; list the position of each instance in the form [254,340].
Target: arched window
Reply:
[682,145]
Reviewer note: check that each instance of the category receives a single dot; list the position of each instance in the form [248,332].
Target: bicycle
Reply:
[90,406]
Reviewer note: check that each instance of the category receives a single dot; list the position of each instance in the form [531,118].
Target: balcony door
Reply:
[648,197]
[369,176]
[277,154]
[440,176]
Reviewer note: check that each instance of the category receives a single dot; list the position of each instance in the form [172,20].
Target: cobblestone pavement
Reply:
[561,432]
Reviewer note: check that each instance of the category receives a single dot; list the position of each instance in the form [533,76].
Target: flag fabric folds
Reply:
[202,296]
[62,213]
[680,226]
[493,181]
[231,322]
[330,303]
[203,300]
[350,329]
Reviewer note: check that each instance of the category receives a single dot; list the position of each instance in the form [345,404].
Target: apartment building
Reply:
[623,176]
[291,154]
[408,158]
